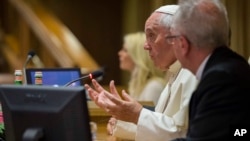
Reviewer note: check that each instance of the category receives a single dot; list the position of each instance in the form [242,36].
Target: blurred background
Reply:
[87,33]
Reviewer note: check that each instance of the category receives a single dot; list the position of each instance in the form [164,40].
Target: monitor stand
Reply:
[32,134]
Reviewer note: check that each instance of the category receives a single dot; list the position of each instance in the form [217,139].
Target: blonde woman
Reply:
[146,82]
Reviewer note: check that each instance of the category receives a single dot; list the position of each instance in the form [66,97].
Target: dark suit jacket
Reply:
[220,103]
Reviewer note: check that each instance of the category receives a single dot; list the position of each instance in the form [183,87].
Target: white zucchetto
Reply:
[168,9]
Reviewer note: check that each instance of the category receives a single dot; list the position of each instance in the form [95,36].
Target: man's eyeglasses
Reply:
[171,37]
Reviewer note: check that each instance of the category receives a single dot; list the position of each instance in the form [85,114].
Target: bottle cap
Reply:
[18,72]
[38,74]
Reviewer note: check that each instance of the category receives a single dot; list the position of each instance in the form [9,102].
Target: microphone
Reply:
[92,75]
[30,55]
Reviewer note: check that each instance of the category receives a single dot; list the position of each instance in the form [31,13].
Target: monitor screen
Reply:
[55,76]
[45,113]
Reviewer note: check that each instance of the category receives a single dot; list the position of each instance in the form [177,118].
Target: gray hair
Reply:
[203,22]
[166,20]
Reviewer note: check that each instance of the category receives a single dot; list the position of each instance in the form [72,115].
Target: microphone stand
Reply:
[24,70]
[30,55]
[69,83]
[92,75]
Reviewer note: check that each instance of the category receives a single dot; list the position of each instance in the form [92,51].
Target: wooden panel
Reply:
[55,36]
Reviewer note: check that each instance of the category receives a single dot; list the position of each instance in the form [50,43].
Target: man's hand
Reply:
[126,110]
[111,125]
[97,94]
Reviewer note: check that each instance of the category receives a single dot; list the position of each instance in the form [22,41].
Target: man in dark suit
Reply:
[219,108]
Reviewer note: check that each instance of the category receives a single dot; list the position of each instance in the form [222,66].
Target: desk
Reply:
[101,118]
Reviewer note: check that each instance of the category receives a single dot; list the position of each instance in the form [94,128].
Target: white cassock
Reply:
[170,119]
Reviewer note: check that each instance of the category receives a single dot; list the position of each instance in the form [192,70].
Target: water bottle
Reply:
[18,77]
[38,78]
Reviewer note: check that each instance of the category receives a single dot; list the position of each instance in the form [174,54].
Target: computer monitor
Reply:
[45,113]
[55,76]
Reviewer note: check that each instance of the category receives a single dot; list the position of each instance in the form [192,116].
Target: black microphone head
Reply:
[31,54]
[96,74]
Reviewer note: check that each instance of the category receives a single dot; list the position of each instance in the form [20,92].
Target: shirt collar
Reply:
[173,70]
[201,67]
